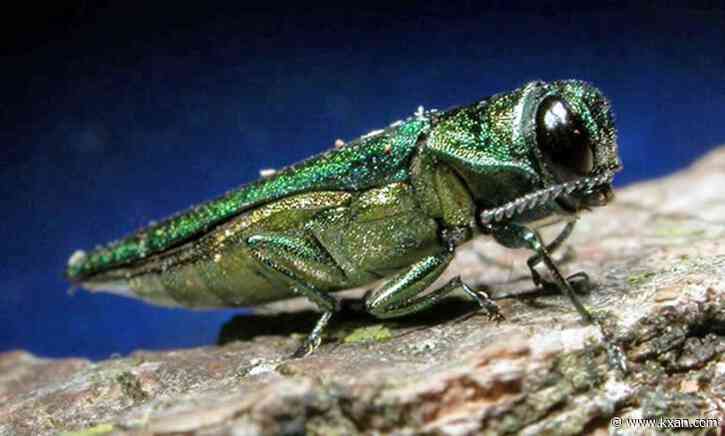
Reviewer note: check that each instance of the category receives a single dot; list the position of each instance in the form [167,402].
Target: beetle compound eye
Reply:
[563,139]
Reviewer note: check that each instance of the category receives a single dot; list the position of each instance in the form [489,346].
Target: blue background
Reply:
[116,114]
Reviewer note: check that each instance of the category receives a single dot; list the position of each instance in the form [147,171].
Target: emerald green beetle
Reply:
[394,204]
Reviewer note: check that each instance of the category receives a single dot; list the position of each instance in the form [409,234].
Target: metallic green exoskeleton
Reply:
[394,204]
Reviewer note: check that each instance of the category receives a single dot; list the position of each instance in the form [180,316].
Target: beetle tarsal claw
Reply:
[485,301]
[579,282]
[307,347]
[314,339]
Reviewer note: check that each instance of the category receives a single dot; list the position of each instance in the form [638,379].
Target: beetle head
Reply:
[565,131]
[574,143]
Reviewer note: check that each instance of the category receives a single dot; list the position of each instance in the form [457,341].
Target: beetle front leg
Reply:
[550,248]
[518,236]
[297,261]
[400,295]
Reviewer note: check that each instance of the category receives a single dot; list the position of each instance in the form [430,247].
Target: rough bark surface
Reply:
[656,258]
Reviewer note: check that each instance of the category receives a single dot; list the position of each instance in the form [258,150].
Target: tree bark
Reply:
[656,257]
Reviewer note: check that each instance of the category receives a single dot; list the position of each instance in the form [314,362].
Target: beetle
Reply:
[394,204]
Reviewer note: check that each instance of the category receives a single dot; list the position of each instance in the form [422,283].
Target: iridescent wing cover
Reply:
[372,160]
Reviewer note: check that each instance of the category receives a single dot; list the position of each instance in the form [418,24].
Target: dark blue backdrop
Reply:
[115,115]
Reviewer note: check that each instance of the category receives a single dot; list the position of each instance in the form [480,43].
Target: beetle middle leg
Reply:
[298,262]
[400,295]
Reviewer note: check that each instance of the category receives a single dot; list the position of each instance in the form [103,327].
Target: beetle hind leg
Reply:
[299,262]
[400,295]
